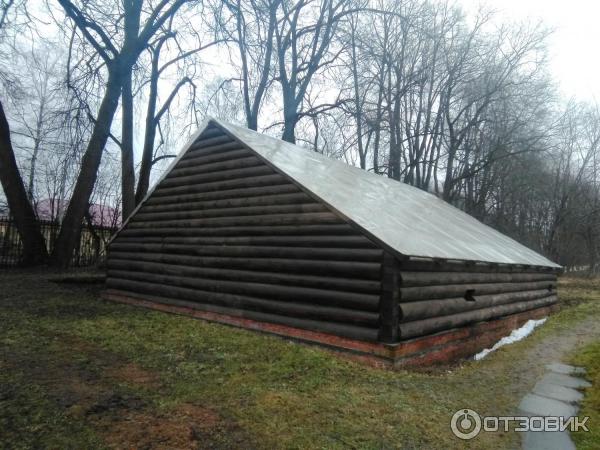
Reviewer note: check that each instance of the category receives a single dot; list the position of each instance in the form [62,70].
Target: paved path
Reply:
[556,395]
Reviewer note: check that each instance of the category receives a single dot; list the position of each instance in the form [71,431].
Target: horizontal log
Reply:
[208,144]
[364,270]
[433,325]
[235,193]
[264,220]
[251,251]
[199,160]
[410,279]
[248,182]
[345,330]
[143,216]
[425,309]
[238,163]
[210,131]
[279,230]
[287,308]
[290,241]
[172,182]
[276,294]
[286,279]
[440,265]
[265,200]
[459,290]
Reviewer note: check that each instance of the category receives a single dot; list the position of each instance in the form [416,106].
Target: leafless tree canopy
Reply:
[99,94]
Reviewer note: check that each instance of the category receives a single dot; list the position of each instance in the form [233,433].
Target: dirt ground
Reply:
[100,390]
[556,347]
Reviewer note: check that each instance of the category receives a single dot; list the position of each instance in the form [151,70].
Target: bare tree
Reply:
[184,61]
[304,38]
[34,247]
[118,50]
[252,31]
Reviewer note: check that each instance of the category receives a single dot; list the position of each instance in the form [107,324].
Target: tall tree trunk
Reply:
[358,113]
[37,140]
[127,170]
[252,122]
[32,167]
[149,136]
[290,118]
[34,246]
[70,230]
[252,108]
[289,133]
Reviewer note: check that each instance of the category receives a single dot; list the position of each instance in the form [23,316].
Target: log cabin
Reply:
[255,232]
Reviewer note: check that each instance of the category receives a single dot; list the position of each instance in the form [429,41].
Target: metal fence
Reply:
[91,249]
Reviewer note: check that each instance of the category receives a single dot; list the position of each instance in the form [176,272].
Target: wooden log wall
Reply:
[226,233]
[439,296]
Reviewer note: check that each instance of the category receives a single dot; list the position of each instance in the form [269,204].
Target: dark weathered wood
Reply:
[287,308]
[364,270]
[199,160]
[289,241]
[427,265]
[459,290]
[259,230]
[281,294]
[265,200]
[143,216]
[265,180]
[226,232]
[173,182]
[431,308]
[248,192]
[389,308]
[345,330]
[210,144]
[238,163]
[210,131]
[266,219]
[287,279]
[326,254]
[427,326]
[410,279]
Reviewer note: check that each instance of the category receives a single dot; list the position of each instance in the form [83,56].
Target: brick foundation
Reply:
[439,348]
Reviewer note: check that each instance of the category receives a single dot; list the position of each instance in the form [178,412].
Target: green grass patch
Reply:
[589,357]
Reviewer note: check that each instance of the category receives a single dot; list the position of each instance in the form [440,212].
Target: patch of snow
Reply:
[515,336]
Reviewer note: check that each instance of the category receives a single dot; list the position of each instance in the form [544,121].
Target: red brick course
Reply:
[439,348]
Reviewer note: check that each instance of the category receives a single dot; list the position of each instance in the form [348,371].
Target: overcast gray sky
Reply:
[575,44]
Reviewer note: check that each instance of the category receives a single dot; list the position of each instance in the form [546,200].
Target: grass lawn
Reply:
[79,372]
[589,357]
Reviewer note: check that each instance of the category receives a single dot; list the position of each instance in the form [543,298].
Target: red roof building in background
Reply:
[101,215]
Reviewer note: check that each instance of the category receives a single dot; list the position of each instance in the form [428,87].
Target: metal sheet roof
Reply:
[407,219]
